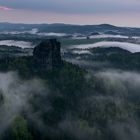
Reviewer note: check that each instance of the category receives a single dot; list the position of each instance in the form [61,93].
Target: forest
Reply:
[68,103]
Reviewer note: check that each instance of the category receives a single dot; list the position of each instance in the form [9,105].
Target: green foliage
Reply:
[18,130]
[69,42]
[75,106]
[71,85]
[96,132]
[20,64]
[117,57]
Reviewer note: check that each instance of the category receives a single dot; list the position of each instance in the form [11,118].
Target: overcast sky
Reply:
[117,12]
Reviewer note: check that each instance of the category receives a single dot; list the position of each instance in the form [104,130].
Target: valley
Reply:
[69,85]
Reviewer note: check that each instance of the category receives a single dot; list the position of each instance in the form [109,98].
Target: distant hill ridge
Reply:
[68,28]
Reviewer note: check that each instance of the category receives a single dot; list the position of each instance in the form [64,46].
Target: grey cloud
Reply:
[77,7]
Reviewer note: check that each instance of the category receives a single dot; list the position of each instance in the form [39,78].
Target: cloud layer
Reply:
[78,6]
[116,12]
[5,8]
[131,47]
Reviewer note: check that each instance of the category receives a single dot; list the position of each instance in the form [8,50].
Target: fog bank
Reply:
[16,95]
[131,47]
[21,44]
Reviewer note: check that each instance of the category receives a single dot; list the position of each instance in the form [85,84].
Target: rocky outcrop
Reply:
[47,56]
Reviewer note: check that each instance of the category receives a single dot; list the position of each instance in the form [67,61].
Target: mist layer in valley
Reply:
[109,106]
[131,47]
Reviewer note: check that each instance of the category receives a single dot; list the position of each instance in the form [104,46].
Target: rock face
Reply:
[47,56]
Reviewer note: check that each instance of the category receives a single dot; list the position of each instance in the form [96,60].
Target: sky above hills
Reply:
[117,12]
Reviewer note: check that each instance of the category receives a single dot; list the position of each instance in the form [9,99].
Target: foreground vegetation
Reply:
[73,105]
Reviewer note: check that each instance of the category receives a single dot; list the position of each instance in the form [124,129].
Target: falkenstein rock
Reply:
[47,56]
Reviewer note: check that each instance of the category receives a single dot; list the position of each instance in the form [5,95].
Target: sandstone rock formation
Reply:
[47,56]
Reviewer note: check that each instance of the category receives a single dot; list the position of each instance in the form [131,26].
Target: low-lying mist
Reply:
[121,90]
[21,44]
[105,44]
[106,111]
[15,96]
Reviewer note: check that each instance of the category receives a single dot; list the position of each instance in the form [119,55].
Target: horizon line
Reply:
[62,23]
